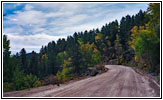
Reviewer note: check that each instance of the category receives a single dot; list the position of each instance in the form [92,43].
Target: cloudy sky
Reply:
[31,25]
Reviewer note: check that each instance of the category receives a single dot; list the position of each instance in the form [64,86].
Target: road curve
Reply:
[118,81]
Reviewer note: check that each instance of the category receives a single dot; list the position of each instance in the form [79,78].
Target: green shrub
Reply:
[37,83]
[72,76]
[18,79]
[7,86]
[66,72]
[59,75]
[31,81]
[90,55]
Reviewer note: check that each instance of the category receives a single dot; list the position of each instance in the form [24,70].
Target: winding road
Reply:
[118,81]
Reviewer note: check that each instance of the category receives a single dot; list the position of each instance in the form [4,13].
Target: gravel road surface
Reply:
[118,81]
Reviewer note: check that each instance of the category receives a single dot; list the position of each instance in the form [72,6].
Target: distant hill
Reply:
[29,55]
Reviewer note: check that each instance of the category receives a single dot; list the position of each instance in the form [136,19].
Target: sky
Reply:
[31,25]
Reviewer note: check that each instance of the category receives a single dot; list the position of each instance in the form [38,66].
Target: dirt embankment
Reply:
[118,81]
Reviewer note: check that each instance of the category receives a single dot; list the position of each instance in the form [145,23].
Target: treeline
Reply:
[135,41]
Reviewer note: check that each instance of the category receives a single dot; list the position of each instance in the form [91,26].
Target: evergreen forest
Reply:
[134,42]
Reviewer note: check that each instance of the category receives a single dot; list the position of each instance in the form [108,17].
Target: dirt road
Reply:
[118,81]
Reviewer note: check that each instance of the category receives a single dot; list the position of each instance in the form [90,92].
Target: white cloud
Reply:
[28,7]
[30,42]
[15,29]
[27,18]
[53,18]
[25,27]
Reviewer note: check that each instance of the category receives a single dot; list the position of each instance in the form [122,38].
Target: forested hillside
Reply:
[135,41]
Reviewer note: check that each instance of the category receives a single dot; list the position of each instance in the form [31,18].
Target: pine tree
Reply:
[118,48]
[23,61]
[6,58]
[33,67]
